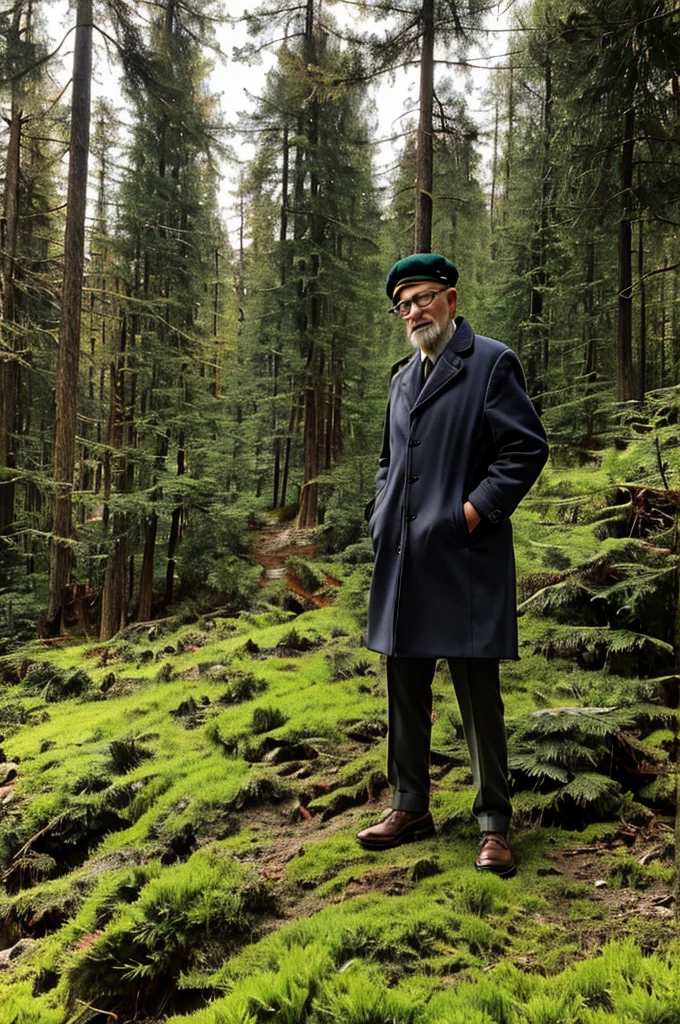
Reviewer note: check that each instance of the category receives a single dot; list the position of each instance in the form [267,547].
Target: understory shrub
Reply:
[214,559]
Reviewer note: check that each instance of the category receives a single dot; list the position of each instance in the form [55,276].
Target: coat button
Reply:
[412,479]
[414,443]
[410,517]
[495,516]
[398,549]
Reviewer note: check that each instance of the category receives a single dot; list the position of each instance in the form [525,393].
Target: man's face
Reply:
[424,327]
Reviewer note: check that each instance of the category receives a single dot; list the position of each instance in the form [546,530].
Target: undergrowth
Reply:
[180,834]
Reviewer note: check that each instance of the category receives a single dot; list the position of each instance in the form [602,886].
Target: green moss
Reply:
[18,1003]
[433,946]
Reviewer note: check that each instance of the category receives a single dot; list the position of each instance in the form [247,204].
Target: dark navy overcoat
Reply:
[470,433]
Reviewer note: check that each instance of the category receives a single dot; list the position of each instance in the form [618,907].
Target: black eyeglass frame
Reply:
[403,303]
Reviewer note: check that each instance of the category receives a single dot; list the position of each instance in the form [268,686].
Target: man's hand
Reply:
[472,516]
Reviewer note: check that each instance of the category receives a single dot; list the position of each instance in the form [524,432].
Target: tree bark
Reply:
[9,233]
[590,356]
[423,227]
[287,451]
[537,363]
[174,529]
[494,179]
[642,350]
[309,498]
[308,516]
[509,142]
[146,575]
[9,370]
[116,477]
[624,327]
[69,328]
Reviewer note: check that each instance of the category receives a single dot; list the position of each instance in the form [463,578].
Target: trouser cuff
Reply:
[493,822]
[408,802]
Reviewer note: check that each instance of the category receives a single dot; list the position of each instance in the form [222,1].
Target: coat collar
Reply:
[448,365]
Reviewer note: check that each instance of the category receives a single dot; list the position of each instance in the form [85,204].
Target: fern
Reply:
[537,768]
[564,640]
[628,585]
[591,787]
[567,754]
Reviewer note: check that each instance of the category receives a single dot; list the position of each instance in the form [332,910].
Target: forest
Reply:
[191,728]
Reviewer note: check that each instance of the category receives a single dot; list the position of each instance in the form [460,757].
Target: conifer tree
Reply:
[19,54]
[625,56]
[168,204]
[417,27]
[312,191]
[69,332]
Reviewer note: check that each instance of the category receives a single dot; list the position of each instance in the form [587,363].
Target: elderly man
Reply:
[462,446]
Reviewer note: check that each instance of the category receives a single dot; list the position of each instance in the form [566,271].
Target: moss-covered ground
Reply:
[178,810]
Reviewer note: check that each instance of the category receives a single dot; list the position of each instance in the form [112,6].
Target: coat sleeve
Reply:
[383,463]
[519,441]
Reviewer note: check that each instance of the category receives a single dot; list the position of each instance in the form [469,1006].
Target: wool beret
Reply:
[422,266]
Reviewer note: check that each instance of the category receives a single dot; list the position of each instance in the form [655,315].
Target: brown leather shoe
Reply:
[397,828]
[495,855]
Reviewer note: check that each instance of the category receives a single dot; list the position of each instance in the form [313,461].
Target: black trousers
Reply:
[477,685]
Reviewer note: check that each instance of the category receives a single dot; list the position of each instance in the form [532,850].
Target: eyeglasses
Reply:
[422,299]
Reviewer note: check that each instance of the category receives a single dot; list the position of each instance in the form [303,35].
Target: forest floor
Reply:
[179,806]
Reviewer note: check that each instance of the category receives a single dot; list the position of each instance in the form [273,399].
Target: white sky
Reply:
[236,83]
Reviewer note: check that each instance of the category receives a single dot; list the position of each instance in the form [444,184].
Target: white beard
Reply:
[433,338]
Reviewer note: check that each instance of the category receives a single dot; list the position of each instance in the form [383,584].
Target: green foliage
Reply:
[242,686]
[150,943]
[126,754]
[54,684]
[214,556]
[20,1005]
[360,996]
[558,751]
[194,925]
[266,719]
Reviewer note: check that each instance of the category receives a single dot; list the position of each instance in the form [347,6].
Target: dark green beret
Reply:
[422,266]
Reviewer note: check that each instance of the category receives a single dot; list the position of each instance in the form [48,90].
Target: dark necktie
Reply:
[428,367]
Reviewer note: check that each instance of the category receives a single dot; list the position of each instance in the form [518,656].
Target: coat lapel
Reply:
[411,380]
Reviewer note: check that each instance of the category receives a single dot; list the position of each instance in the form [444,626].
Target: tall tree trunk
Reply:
[113,594]
[9,369]
[509,142]
[69,328]
[662,328]
[590,356]
[494,184]
[642,350]
[147,571]
[287,450]
[537,363]
[283,275]
[308,516]
[275,428]
[216,332]
[308,513]
[9,319]
[675,329]
[175,524]
[624,327]
[423,228]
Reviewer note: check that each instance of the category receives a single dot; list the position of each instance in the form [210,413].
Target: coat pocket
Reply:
[377,501]
[460,528]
